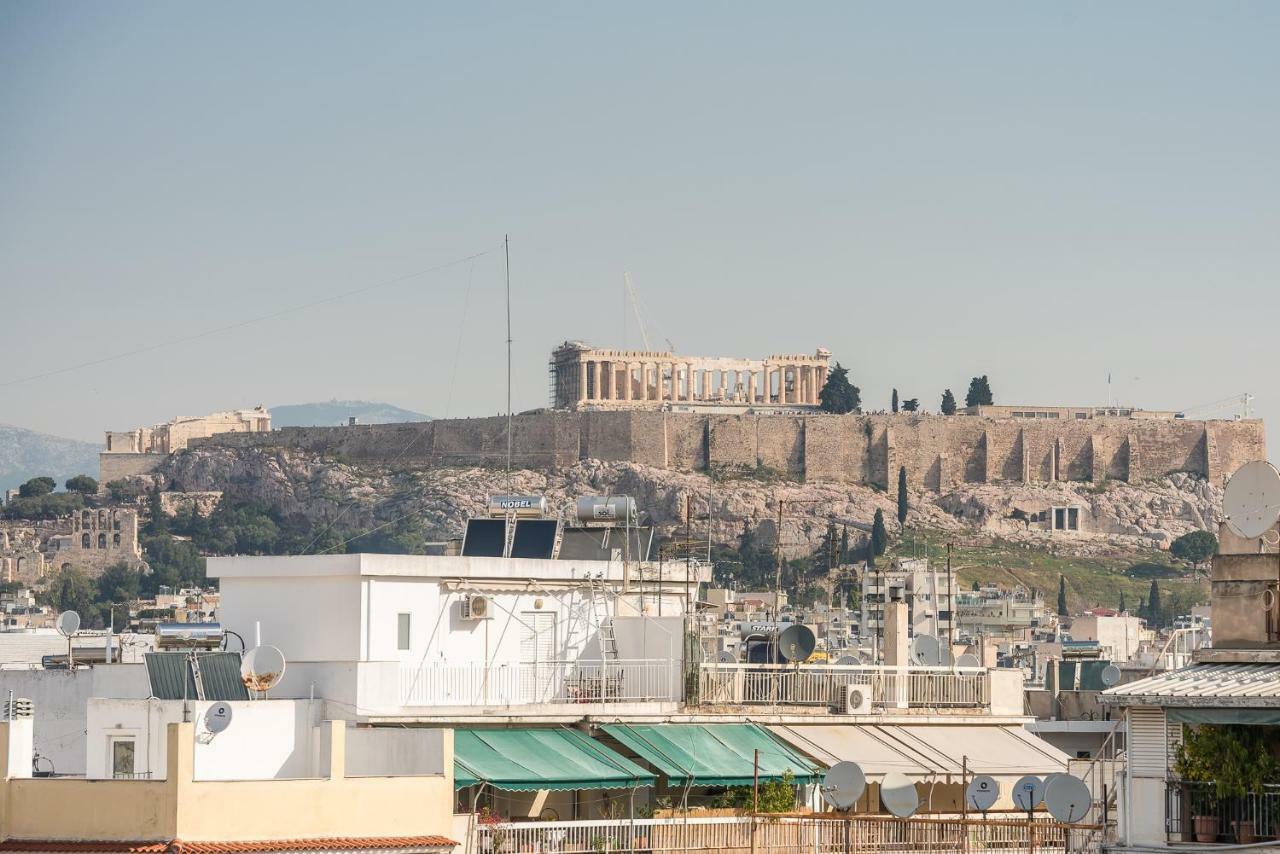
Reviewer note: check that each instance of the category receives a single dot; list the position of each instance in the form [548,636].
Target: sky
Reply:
[209,206]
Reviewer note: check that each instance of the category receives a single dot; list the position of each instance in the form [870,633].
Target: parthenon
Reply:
[584,377]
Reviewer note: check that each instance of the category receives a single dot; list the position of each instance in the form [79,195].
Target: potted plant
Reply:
[1236,760]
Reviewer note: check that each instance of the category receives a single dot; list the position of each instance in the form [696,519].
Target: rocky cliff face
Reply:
[1115,517]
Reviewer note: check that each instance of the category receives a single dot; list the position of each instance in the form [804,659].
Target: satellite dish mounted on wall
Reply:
[1251,502]
[899,795]
[1028,792]
[68,623]
[926,651]
[1067,798]
[982,792]
[262,669]
[843,784]
[217,717]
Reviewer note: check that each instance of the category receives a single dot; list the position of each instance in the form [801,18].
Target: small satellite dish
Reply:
[899,795]
[1067,798]
[846,661]
[262,668]
[968,660]
[68,623]
[727,657]
[981,793]
[217,717]
[843,784]
[1251,502]
[1110,675]
[1028,792]
[925,650]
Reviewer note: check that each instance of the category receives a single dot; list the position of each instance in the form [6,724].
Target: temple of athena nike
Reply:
[583,377]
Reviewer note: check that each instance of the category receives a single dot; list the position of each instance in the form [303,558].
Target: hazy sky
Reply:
[1044,193]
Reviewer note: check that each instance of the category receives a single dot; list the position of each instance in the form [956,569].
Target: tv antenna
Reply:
[982,792]
[899,795]
[68,624]
[1251,502]
[843,784]
[1067,798]
[262,669]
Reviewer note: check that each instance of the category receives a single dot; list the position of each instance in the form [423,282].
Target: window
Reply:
[121,755]
[115,540]
[402,631]
[84,541]
[102,541]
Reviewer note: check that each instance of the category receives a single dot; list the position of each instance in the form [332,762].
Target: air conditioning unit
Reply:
[476,608]
[857,700]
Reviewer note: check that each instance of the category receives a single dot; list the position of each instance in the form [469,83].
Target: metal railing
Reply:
[613,681]
[818,834]
[827,685]
[1194,812]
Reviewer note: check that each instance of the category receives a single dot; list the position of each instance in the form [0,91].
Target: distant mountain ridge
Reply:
[337,412]
[25,454]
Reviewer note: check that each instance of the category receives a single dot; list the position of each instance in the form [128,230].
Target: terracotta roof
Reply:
[399,843]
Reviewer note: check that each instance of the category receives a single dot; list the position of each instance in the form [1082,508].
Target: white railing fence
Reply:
[613,681]
[827,685]
[819,835]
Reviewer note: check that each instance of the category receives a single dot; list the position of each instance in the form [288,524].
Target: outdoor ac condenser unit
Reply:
[475,608]
[857,700]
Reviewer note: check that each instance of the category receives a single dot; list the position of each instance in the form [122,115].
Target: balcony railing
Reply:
[827,685]
[613,681]
[816,834]
[1193,810]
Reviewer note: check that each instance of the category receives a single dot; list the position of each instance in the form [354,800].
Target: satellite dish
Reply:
[981,793]
[1067,798]
[968,660]
[68,623]
[899,795]
[262,668]
[1110,675]
[217,717]
[727,657]
[796,642]
[1251,502]
[847,660]
[1028,792]
[925,650]
[843,784]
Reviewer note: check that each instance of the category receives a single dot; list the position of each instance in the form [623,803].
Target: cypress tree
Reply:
[839,395]
[1121,608]
[902,495]
[979,392]
[1062,596]
[948,402]
[895,400]
[1154,609]
[879,536]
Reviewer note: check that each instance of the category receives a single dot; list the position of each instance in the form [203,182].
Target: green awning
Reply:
[712,754]
[526,760]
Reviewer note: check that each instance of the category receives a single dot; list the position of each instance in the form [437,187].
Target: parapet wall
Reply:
[938,451]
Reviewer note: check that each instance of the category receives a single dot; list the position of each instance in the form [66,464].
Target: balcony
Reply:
[552,683]
[1194,813]
[890,689]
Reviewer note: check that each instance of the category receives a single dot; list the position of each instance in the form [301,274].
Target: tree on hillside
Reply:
[119,583]
[844,544]
[911,404]
[82,484]
[879,536]
[948,402]
[838,395]
[902,495]
[1062,596]
[1195,547]
[895,400]
[71,590]
[979,392]
[1154,611]
[1121,609]
[36,487]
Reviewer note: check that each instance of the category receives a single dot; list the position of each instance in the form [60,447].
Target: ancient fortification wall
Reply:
[938,452]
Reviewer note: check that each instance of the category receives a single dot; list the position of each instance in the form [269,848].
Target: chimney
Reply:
[897,650]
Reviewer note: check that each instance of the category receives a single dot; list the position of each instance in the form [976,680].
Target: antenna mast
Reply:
[506,251]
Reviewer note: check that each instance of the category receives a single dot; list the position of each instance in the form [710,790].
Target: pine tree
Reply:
[838,395]
[902,495]
[879,536]
[948,402]
[1154,615]
[911,404]
[1062,596]
[895,401]
[1121,608]
[979,392]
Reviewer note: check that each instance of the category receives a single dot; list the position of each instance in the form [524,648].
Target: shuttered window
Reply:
[1148,742]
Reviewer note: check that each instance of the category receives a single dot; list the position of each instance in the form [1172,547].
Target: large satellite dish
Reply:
[1028,792]
[727,657]
[262,668]
[925,650]
[843,784]
[68,623]
[968,660]
[1251,502]
[217,717]
[1110,675]
[899,795]
[981,793]
[1067,798]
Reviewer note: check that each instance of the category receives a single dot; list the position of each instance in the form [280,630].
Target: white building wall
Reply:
[311,619]
[266,740]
